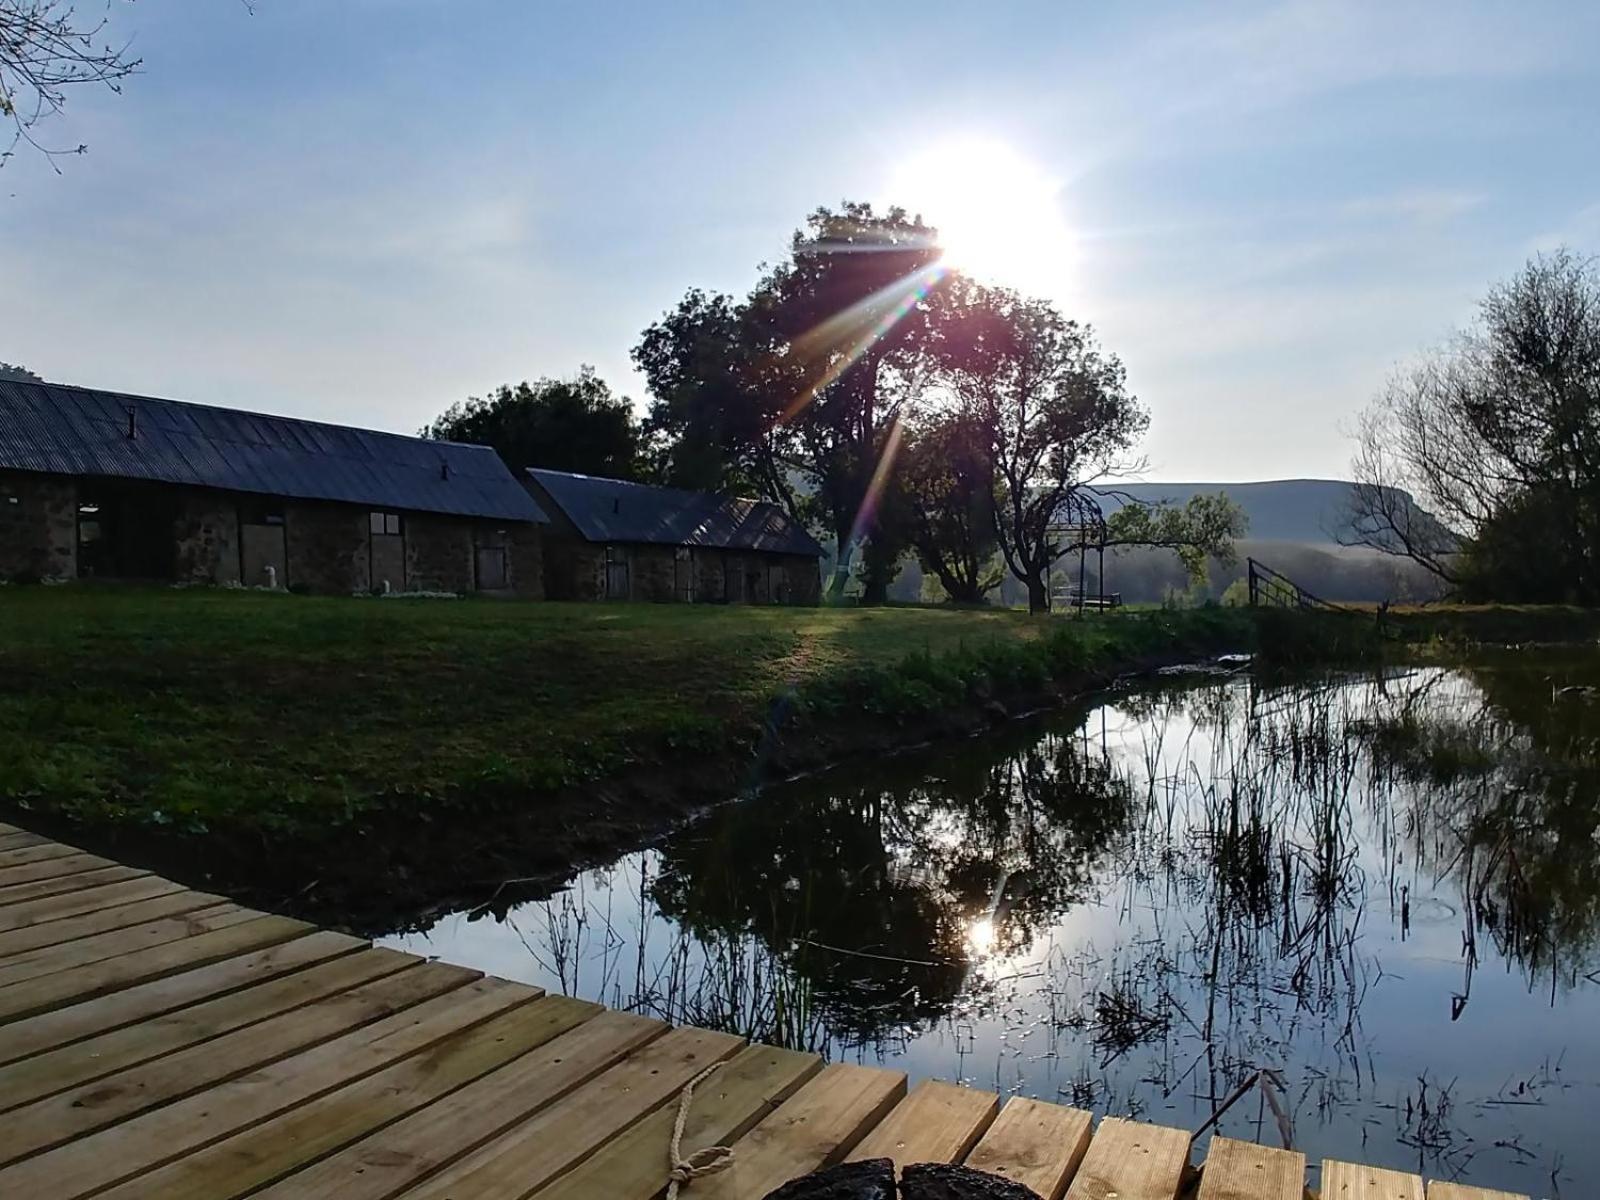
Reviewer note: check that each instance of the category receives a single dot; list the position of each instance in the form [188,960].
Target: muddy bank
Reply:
[400,867]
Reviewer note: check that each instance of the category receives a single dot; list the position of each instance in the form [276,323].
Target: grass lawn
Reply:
[199,706]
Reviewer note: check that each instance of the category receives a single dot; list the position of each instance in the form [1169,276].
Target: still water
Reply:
[1385,889]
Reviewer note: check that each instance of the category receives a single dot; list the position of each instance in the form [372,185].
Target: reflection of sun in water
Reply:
[980,937]
[998,214]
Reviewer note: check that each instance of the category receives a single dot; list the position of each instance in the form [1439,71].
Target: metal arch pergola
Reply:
[1080,524]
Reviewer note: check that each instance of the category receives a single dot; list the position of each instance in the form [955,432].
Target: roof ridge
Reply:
[246,412]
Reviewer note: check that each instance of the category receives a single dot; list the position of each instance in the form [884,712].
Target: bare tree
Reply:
[46,48]
[1503,421]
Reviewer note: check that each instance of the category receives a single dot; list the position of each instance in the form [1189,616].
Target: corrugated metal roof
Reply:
[78,431]
[613,510]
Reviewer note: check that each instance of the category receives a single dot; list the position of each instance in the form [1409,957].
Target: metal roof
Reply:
[66,430]
[613,510]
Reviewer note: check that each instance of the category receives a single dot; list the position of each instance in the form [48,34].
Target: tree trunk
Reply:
[1038,594]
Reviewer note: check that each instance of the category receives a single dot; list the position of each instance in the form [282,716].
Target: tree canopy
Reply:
[1481,461]
[574,424]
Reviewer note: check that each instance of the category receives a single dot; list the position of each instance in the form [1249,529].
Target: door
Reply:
[616,573]
[683,574]
[492,573]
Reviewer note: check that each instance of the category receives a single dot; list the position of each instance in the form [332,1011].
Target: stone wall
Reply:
[573,570]
[328,547]
[710,576]
[207,535]
[439,553]
[652,574]
[38,527]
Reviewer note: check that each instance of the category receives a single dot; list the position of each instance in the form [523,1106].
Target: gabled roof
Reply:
[78,431]
[613,510]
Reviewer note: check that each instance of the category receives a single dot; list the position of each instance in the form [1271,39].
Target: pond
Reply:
[1382,888]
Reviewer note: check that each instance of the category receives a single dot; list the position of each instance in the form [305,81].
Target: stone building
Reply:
[612,540]
[103,485]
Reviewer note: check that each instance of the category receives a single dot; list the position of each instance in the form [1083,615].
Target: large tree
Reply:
[713,425]
[947,481]
[799,389]
[1497,436]
[47,48]
[574,424]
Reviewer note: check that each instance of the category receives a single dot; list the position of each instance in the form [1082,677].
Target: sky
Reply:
[363,210]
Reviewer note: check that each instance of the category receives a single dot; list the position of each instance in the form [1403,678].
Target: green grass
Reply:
[205,708]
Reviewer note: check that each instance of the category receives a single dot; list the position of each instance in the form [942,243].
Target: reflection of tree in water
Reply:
[880,896]
[1504,784]
[1147,908]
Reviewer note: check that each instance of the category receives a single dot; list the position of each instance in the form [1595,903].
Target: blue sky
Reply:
[361,210]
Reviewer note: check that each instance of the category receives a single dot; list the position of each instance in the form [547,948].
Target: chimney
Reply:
[444,469]
[616,504]
[133,422]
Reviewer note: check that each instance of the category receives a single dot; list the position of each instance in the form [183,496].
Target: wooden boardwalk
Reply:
[163,1044]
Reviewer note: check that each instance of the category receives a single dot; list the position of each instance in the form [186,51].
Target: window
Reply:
[386,522]
[261,512]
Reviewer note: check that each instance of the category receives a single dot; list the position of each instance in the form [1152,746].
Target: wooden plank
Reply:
[1351,1181]
[92,1106]
[1132,1161]
[393,1158]
[58,1028]
[125,1151]
[105,920]
[1455,1191]
[239,1164]
[128,970]
[80,952]
[16,893]
[816,1127]
[71,864]
[4,828]
[15,841]
[72,904]
[1236,1170]
[43,851]
[1037,1144]
[69,1066]
[561,1136]
[939,1122]
[634,1164]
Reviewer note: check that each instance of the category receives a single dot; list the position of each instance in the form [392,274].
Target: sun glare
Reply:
[998,214]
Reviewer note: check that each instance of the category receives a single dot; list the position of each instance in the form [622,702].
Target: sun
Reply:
[998,214]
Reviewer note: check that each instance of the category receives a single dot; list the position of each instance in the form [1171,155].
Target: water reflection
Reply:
[1384,889]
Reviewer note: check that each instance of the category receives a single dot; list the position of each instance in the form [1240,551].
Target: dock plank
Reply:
[1132,1161]
[1456,1191]
[40,851]
[1351,1181]
[15,841]
[246,1161]
[71,1114]
[16,893]
[634,1164]
[1036,1144]
[80,952]
[938,1122]
[34,1035]
[106,920]
[125,1151]
[816,1127]
[54,868]
[83,900]
[398,1156]
[57,990]
[561,1136]
[96,1057]
[1236,1170]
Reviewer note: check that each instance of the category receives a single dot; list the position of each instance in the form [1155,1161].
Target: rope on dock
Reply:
[708,1160]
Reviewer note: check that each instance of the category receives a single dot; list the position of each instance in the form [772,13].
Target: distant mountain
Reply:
[1289,510]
